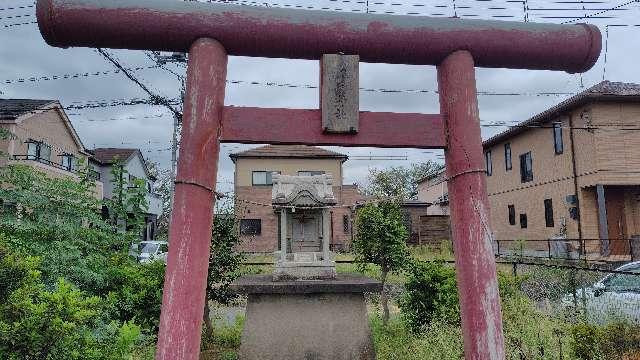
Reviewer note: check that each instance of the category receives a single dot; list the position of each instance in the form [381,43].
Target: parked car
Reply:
[148,251]
[616,296]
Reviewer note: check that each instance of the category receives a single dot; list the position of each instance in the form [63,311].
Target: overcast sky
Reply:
[24,54]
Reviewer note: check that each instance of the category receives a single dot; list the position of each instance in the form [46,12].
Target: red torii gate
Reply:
[209,32]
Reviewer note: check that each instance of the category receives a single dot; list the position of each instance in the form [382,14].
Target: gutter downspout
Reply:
[575,183]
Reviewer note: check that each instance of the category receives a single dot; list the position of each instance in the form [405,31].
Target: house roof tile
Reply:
[603,91]
[288,151]
[10,109]
[108,156]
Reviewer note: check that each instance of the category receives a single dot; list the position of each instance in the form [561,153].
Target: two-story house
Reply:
[259,225]
[132,161]
[38,133]
[433,190]
[572,170]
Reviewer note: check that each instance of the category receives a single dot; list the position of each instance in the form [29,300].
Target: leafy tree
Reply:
[62,323]
[57,219]
[381,239]
[128,204]
[399,182]
[164,188]
[224,262]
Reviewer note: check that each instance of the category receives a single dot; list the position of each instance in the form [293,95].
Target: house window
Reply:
[488,163]
[69,162]
[512,214]
[263,177]
[526,167]
[32,150]
[345,224]
[557,138]
[523,221]
[507,156]
[250,227]
[548,212]
[38,151]
[310,173]
[45,152]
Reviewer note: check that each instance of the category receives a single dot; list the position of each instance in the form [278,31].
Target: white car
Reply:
[615,297]
[152,250]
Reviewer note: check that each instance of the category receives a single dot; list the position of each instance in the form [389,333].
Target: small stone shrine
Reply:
[305,227]
[304,310]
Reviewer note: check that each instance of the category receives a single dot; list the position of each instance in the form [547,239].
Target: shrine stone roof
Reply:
[307,191]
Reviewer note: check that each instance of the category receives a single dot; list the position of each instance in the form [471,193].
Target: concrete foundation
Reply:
[306,320]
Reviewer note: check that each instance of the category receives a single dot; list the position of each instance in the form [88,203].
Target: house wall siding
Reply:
[287,166]
[48,127]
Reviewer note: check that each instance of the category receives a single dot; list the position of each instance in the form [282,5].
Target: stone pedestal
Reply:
[306,319]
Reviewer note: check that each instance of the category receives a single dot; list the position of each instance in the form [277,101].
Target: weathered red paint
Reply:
[304,126]
[475,264]
[190,231]
[305,34]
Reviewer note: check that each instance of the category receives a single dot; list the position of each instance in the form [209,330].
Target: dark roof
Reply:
[604,91]
[288,151]
[11,109]
[108,156]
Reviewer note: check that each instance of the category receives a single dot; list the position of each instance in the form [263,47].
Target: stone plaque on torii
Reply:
[211,32]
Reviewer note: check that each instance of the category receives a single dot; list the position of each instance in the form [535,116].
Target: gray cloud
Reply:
[23,53]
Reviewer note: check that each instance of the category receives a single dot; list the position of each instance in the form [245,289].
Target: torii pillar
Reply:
[455,46]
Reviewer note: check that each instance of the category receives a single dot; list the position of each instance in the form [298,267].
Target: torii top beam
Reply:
[304,34]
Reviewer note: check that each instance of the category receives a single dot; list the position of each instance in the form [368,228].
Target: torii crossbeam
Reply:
[211,32]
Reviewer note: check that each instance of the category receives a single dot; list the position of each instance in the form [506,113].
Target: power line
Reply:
[156,98]
[72,75]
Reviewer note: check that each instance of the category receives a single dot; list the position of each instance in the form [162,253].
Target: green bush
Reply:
[585,341]
[62,323]
[430,293]
[134,291]
[617,340]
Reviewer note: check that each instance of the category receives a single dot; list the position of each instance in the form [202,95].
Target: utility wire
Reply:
[154,97]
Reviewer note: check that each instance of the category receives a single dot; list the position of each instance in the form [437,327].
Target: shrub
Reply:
[430,293]
[62,323]
[381,240]
[134,291]
[584,341]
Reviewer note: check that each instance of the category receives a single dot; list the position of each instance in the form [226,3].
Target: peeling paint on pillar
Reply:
[471,233]
[190,231]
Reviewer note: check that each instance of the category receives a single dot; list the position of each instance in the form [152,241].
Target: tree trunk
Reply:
[208,324]
[383,298]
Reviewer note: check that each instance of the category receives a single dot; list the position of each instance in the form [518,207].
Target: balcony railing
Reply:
[91,174]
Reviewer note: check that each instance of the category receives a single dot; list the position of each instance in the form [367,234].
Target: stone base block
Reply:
[306,320]
[315,270]
[305,327]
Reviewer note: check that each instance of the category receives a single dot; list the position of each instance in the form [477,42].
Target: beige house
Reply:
[259,224]
[433,190]
[572,172]
[39,133]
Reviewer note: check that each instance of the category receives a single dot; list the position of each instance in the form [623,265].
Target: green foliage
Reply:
[438,341]
[62,323]
[616,340]
[224,341]
[128,203]
[530,333]
[134,291]
[224,260]
[57,220]
[584,341]
[430,294]
[381,237]
[399,182]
